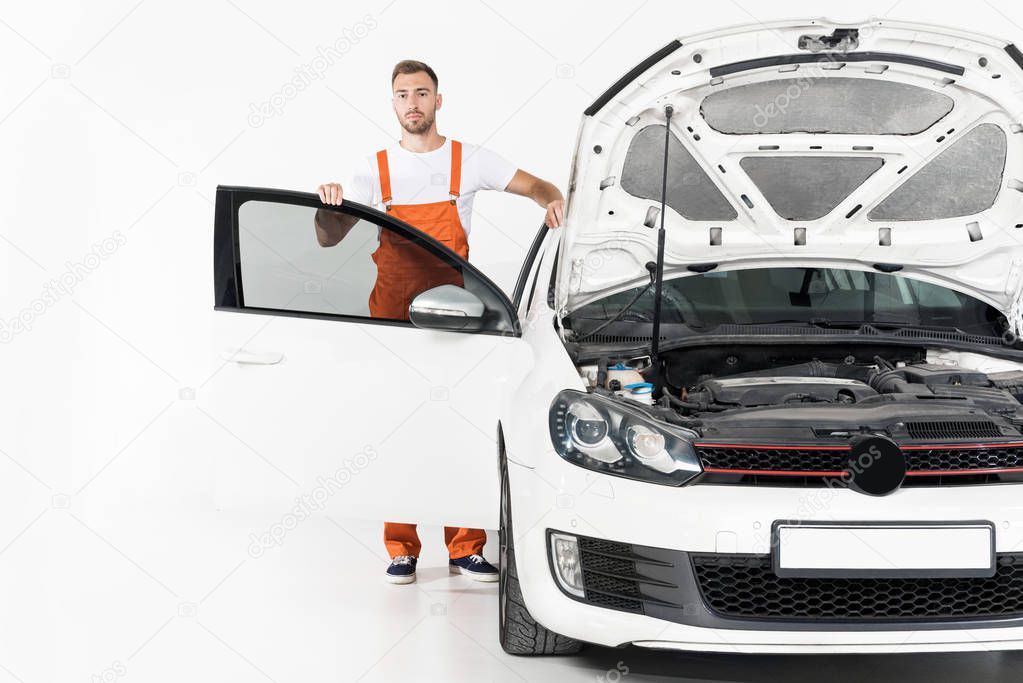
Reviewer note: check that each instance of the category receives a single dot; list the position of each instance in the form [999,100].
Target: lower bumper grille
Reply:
[741,591]
[609,574]
[744,586]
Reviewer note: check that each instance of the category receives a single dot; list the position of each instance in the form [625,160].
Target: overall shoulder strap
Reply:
[385,177]
[456,168]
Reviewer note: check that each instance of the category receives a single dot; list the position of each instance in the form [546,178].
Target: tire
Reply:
[520,634]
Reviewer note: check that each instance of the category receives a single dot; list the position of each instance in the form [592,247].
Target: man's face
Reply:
[415,101]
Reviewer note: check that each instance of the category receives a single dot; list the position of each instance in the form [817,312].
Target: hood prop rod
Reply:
[659,266]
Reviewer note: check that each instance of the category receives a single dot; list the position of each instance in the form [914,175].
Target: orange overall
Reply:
[405,269]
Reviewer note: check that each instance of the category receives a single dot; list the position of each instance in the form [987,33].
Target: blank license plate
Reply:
[883,549]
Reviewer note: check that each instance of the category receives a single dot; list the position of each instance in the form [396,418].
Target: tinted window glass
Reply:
[327,261]
[284,267]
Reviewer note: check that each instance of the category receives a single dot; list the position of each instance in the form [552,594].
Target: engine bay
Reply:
[813,393]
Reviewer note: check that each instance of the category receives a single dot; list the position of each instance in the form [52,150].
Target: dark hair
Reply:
[411,66]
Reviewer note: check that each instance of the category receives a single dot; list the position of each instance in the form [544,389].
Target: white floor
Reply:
[151,595]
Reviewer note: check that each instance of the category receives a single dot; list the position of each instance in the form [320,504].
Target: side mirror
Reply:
[447,307]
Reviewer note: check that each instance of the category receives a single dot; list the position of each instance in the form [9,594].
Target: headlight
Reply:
[586,430]
[607,436]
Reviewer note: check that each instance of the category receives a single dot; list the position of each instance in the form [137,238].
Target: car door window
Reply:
[285,267]
[290,255]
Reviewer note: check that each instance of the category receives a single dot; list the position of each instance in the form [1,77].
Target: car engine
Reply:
[908,398]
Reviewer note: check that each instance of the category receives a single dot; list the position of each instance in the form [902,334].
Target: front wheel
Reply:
[520,633]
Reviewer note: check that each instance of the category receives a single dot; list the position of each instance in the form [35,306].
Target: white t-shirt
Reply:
[425,177]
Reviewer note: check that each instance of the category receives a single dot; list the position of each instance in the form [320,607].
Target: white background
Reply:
[118,558]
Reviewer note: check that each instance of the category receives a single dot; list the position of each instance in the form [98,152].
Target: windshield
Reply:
[819,296]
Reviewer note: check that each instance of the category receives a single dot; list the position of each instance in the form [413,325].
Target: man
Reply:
[428,181]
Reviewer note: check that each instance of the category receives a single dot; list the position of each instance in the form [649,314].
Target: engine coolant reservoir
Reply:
[624,374]
[640,391]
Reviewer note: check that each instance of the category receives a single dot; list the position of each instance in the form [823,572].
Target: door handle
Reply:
[245,357]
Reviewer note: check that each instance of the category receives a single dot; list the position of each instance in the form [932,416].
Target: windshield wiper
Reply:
[891,326]
[828,322]
[896,326]
[624,309]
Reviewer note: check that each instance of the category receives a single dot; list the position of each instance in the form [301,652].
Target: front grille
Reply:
[756,458]
[935,465]
[957,459]
[953,429]
[744,586]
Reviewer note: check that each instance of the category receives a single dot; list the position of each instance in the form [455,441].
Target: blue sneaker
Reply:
[402,569]
[475,566]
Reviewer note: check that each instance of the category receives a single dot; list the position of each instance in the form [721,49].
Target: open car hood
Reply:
[879,145]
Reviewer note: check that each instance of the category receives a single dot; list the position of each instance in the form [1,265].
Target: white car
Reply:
[819,449]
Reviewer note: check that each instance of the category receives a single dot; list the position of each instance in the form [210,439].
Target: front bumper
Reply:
[727,520]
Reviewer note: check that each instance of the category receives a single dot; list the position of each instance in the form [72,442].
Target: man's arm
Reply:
[543,193]
[331,226]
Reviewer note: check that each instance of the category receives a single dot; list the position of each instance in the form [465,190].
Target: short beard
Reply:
[419,128]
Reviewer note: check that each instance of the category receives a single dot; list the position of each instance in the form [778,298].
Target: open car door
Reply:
[380,417]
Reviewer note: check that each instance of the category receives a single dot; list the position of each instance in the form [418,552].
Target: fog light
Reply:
[565,558]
